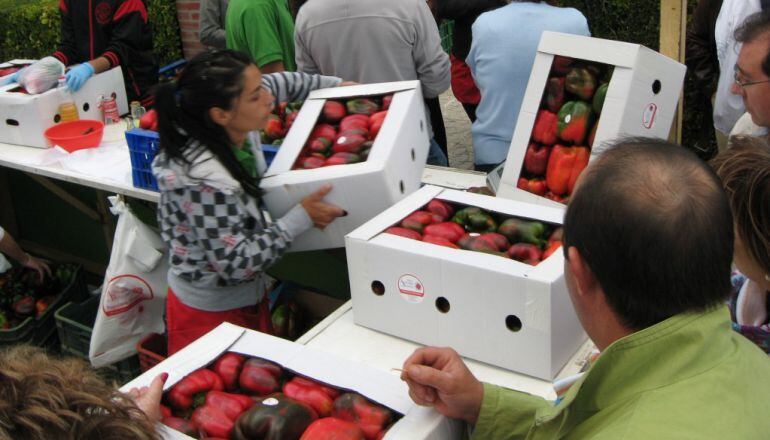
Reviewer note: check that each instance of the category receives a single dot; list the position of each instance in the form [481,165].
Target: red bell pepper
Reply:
[561,65]
[581,82]
[441,241]
[275,417]
[322,130]
[386,100]
[526,253]
[553,246]
[417,221]
[375,123]
[193,388]
[448,230]
[260,377]
[233,405]
[184,426]
[342,159]
[440,208]
[264,319]
[554,94]
[560,199]
[333,111]
[536,159]
[403,232]
[535,186]
[354,121]
[165,412]
[564,167]
[574,122]
[331,428]
[311,393]
[212,421]
[546,124]
[228,367]
[497,240]
[592,134]
[373,419]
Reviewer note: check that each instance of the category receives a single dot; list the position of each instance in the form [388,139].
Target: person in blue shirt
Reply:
[502,52]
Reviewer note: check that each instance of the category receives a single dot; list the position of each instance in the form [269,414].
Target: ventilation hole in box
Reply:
[57,118]
[422,127]
[414,156]
[656,86]
[86,107]
[401,186]
[114,95]
[442,304]
[378,288]
[513,323]
[13,122]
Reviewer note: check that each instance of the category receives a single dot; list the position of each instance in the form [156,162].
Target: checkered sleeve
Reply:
[295,86]
[236,245]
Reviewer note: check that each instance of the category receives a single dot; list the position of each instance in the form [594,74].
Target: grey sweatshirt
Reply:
[371,41]
[212,22]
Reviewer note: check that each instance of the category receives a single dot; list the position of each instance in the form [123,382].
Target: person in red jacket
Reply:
[97,35]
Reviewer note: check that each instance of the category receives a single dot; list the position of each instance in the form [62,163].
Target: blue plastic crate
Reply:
[269,151]
[142,147]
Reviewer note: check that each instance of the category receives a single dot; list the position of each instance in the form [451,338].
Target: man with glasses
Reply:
[752,75]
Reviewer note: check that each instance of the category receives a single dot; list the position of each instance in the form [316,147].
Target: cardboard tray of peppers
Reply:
[242,397]
[27,303]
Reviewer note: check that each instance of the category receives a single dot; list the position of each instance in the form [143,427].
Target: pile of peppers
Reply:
[241,397]
[565,127]
[474,229]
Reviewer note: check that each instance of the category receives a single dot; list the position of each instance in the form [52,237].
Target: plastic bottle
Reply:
[68,110]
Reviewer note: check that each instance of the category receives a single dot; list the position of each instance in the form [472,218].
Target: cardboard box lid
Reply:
[386,389]
[615,53]
[364,90]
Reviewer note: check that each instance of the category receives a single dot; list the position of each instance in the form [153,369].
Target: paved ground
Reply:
[458,132]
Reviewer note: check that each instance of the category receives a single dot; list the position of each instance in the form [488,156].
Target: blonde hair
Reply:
[43,398]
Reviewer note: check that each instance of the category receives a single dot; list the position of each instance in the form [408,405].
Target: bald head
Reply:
[653,224]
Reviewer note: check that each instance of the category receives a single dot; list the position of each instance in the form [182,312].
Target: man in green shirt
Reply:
[648,242]
[265,30]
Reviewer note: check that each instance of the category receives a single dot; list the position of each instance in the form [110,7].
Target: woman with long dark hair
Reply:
[208,170]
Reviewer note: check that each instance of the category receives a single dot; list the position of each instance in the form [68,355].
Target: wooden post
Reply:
[673,23]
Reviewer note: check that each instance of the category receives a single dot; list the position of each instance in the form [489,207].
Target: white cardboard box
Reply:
[641,99]
[482,290]
[384,388]
[393,170]
[24,118]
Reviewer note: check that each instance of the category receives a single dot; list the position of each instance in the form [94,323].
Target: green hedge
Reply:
[30,29]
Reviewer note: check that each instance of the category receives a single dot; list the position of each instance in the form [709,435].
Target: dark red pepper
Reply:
[440,208]
[264,319]
[373,419]
[526,253]
[188,390]
[561,65]
[331,428]
[228,367]
[536,159]
[275,417]
[260,377]
[554,94]
[165,412]
[315,395]
[417,221]
[184,426]
[404,232]
[546,124]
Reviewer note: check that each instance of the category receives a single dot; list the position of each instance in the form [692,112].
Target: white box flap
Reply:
[363,90]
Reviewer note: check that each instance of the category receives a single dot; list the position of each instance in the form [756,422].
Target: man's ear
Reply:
[584,278]
[220,116]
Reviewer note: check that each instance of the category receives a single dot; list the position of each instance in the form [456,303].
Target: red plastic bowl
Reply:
[76,135]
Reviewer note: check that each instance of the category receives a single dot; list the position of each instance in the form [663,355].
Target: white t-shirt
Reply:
[728,107]
[746,127]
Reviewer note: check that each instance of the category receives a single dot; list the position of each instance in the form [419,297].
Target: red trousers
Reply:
[185,324]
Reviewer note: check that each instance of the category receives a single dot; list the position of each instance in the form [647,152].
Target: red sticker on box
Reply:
[648,118]
[411,288]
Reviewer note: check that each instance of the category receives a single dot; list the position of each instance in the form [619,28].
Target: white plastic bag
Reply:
[134,292]
[41,76]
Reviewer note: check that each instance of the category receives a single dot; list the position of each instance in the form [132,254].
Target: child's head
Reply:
[48,398]
[745,172]
[217,99]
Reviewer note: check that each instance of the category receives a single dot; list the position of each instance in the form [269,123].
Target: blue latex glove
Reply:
[78,75]
[12,78]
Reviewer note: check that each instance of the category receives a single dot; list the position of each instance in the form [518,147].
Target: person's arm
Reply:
[700,55]
[507,414]
[295,86]
[9,247]
[264,42]
[431,62]
[66,49]
[209,30]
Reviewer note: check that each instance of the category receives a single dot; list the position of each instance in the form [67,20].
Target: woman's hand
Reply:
[148,398]
[38,265]
[320,212]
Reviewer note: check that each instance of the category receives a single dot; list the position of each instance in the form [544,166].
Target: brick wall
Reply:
[188,12]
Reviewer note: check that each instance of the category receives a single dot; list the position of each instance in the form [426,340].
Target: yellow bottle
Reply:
[68,110]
